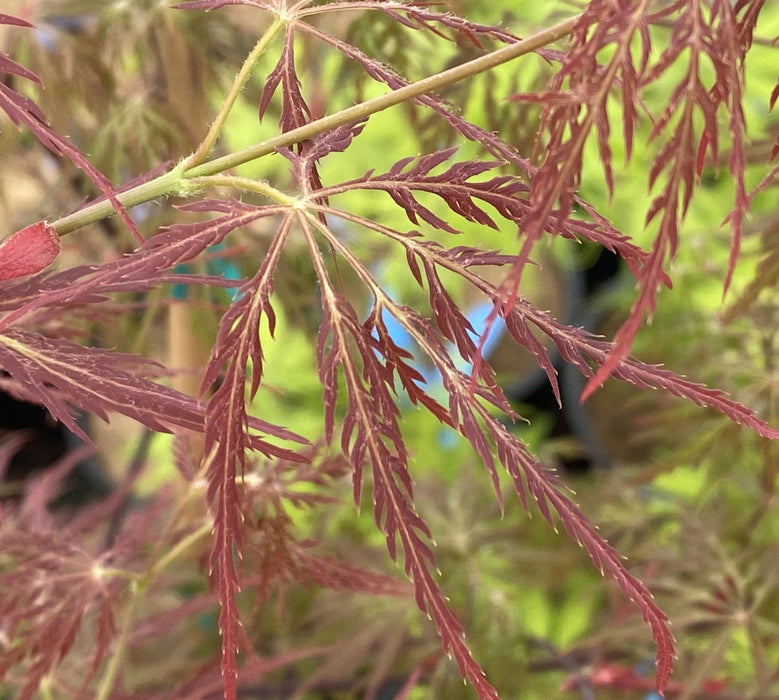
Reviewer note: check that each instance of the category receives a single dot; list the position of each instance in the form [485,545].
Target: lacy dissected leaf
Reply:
[237,355]
[576,345]
[56,589]
[295,111]
[63,374]
[7,64]
[602,232]
[493,441]
[506,194]
[346,346]
[140,270]
[417,15]
[370,435]
[209,5]
[571,114]
[49,592]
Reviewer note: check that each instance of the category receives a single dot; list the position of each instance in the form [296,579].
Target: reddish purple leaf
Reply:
[9,19]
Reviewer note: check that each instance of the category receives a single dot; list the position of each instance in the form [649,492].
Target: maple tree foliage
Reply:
[242,471]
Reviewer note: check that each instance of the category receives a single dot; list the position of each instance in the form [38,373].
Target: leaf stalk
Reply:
[138,588]
[238,84]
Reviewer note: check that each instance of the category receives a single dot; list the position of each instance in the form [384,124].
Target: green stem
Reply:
[172,554]
[138,590]
[175,182]
[247,185]
[117,656]
[238,84]
[45,689]
[166,184]
[365,109]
